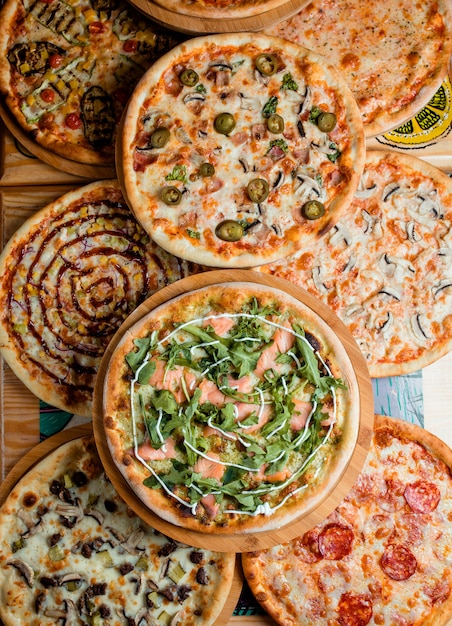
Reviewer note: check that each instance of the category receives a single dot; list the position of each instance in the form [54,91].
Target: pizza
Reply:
[69,277]
[238,149]
[67,70]
[72,552]
[385,269]
[393,55]
[222,9]
[230,409]
[383,556]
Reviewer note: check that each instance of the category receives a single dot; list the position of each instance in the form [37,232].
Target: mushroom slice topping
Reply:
[441,286]
[389,190]
[340,233]
[362,193]
[32,526]
[418,327]
[26,571]
[71,510]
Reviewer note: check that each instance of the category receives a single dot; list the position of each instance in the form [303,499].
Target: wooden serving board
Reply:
[243,542]
[83,170]
[194,25]
[39,453]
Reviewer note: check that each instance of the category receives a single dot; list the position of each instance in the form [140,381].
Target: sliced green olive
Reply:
[224,123]
[229,230]
[312,210]
[326,122]
[257,189]
[275,123]
[267,64]
[206,169]
[160,137]
[170,195]
[189,77]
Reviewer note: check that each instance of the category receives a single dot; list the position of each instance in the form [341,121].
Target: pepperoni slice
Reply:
[335,541]
[422,496]
[354,609]
[398,562]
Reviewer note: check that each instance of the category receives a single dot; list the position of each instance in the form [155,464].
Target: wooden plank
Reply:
[20,167]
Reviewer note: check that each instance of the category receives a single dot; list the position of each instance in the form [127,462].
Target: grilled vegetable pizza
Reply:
[393,55]
[238,149]
[67,70]
[69,277]
[383,556]
[386,267]
[231,408]
[72,552]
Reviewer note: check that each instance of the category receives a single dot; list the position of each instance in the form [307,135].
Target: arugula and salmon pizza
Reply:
[70,275]
[229,409]
[73,552]
[393,55]
[385,269]
[67,70]
[383,556]
[238,149]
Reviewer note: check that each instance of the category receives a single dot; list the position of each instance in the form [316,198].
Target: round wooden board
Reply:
[38,453]
[244,542]
[84,170]
[194,25]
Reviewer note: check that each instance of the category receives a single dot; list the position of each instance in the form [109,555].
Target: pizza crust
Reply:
[126,437]
[32,494]
[268,572]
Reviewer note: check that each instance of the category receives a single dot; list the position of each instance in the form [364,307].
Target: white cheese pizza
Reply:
[238,149]
[394,55]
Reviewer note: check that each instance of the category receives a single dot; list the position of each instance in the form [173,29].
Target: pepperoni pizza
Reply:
[383,556]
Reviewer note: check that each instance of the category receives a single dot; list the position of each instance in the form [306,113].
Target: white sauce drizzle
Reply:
[261,509]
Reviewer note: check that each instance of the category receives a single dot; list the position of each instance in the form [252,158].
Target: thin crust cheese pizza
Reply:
[67,70]
[72,552]
[394,55]
[383,556]
[386,267]
[69,277]
[230,409]
[236,150]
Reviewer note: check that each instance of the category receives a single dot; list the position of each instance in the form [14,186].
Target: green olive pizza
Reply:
[237,149]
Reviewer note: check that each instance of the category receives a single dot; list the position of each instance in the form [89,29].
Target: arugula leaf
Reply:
[270,107]
[165,401]
[288,82]
[314,114]
[134,359]
[146,372]
[242,359]
[179,172]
